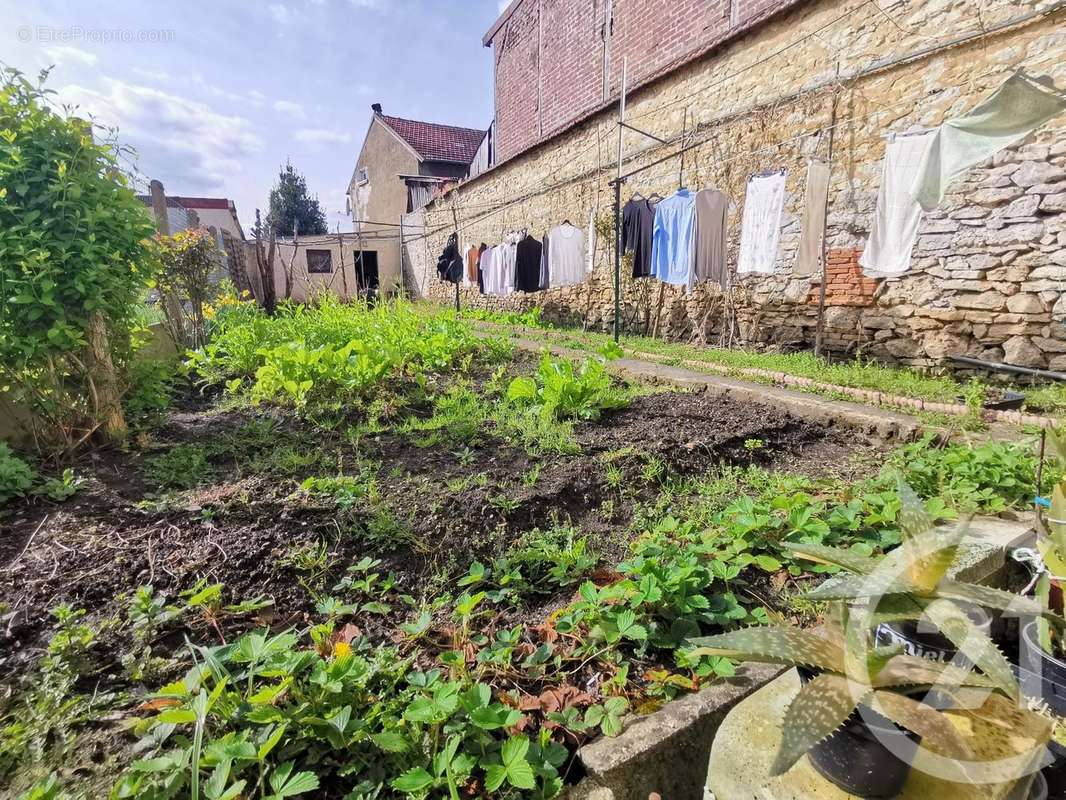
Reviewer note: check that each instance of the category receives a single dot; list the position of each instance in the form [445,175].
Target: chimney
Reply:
[376,107]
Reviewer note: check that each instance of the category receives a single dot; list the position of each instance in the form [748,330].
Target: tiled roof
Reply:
[437,142]
[172,202]
[204,202]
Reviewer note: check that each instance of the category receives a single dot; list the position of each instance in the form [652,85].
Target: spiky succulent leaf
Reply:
[934,727]
[820,708]
[851,587]
[1057,530]
[989,597]
[928,551]
[905,670]
[845,559]
[774,644]
[973,643]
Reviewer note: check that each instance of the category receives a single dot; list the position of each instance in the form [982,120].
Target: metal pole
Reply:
[825,222]
[684,135]
[403,286]
[618,208]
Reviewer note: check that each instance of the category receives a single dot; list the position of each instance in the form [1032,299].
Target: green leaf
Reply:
[774,645]
[417,780]
[820,707]
[390,741]
[973,643]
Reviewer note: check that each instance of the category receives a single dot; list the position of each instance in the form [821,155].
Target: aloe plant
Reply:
[1052,547]
[850,672]
[911,583]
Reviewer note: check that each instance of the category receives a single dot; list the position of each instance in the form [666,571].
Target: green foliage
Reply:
[560,390]
[459,417]
[74,242]
[292,209]
[266,711]
[182,467]
[151,388]
[188,259]
[61,488]
[988,477]
[16,476]
[328,353]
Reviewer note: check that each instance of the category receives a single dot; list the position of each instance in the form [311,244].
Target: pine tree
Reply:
[291,205]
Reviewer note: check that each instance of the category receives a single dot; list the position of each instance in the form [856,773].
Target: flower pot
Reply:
[924,641]
[1036,789]
[1042,674]
[868,756]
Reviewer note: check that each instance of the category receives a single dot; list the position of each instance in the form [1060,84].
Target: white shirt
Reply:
[566,255]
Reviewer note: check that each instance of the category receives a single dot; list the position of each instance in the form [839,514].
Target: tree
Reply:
[291,209]
[188,258]
[75,260]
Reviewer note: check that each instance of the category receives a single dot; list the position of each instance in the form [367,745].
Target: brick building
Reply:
[752,86]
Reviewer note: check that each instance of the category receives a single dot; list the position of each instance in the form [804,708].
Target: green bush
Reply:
[561,390]
[152,383]
[16,476]
[75,252]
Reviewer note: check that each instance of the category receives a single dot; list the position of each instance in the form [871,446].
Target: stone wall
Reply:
[988,269]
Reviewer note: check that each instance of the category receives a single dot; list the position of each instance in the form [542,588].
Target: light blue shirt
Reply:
[671,241]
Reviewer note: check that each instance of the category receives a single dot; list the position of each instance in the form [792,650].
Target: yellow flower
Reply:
[342,650]
[209,312]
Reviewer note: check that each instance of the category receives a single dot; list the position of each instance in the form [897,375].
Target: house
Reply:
[402,165]
[812,99]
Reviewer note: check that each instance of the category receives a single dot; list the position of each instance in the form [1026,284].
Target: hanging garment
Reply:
[450,263]
[671,248]
[897,216]
[638,224]
[487,270]
[709,234]
[1014,110]
[472,256]
[527,265]
[760,230]
[506,265]
[544,272]
[480,275]
[809,252]
[567,255]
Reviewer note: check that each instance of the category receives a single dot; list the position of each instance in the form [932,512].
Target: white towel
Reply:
[1011,113]
[897,216]
[761,226]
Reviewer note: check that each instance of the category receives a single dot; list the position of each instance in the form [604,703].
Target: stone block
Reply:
[1020,351]
[1050,345]
[996,197]
[1054,203]
[1024,207]
[1054,273]
[1025,304]
[1018,233]
[989,301]
[1030,173]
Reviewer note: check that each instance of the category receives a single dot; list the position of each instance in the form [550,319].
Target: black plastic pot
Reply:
[1041,674]
[929,643]
[861,757]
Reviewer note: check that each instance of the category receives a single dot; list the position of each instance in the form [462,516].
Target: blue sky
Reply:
[215,96]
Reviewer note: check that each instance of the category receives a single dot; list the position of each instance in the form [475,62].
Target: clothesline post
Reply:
[825,222]
[403,287]
[618,207]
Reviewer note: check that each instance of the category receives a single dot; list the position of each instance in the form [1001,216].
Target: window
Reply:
[366,268]
[320,261]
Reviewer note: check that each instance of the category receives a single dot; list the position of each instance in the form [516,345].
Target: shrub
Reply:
[151,387]
[76,258]
[16,476]
[562,390]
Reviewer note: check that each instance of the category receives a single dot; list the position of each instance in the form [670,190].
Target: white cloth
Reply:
[1011,113]
[566,255]
[591,239]
[761,224]
[898,215]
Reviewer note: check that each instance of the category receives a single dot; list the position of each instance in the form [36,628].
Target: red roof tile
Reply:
[437,142]
[203,202]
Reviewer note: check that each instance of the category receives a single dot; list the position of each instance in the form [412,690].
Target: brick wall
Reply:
[844,281]
[549,55]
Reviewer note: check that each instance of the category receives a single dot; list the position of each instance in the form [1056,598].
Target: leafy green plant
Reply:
[76,260]
[562,390]
[152,382]
[61,488]
[16,476]
[182,467]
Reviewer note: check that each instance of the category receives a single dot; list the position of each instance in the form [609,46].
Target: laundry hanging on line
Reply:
[527,265]
[898,214]
[709,239]
[638,225]
[760,229]
[671,249]
[1019,106]
[450,262]
[812,227]
[566,255]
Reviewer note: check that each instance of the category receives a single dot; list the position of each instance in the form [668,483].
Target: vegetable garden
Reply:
[369,552]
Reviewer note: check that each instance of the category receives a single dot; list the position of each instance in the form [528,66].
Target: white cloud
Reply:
[294,110]
[279,12]
[63,55]
[322,136]
[366,3]
[151,74]
[183,142]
